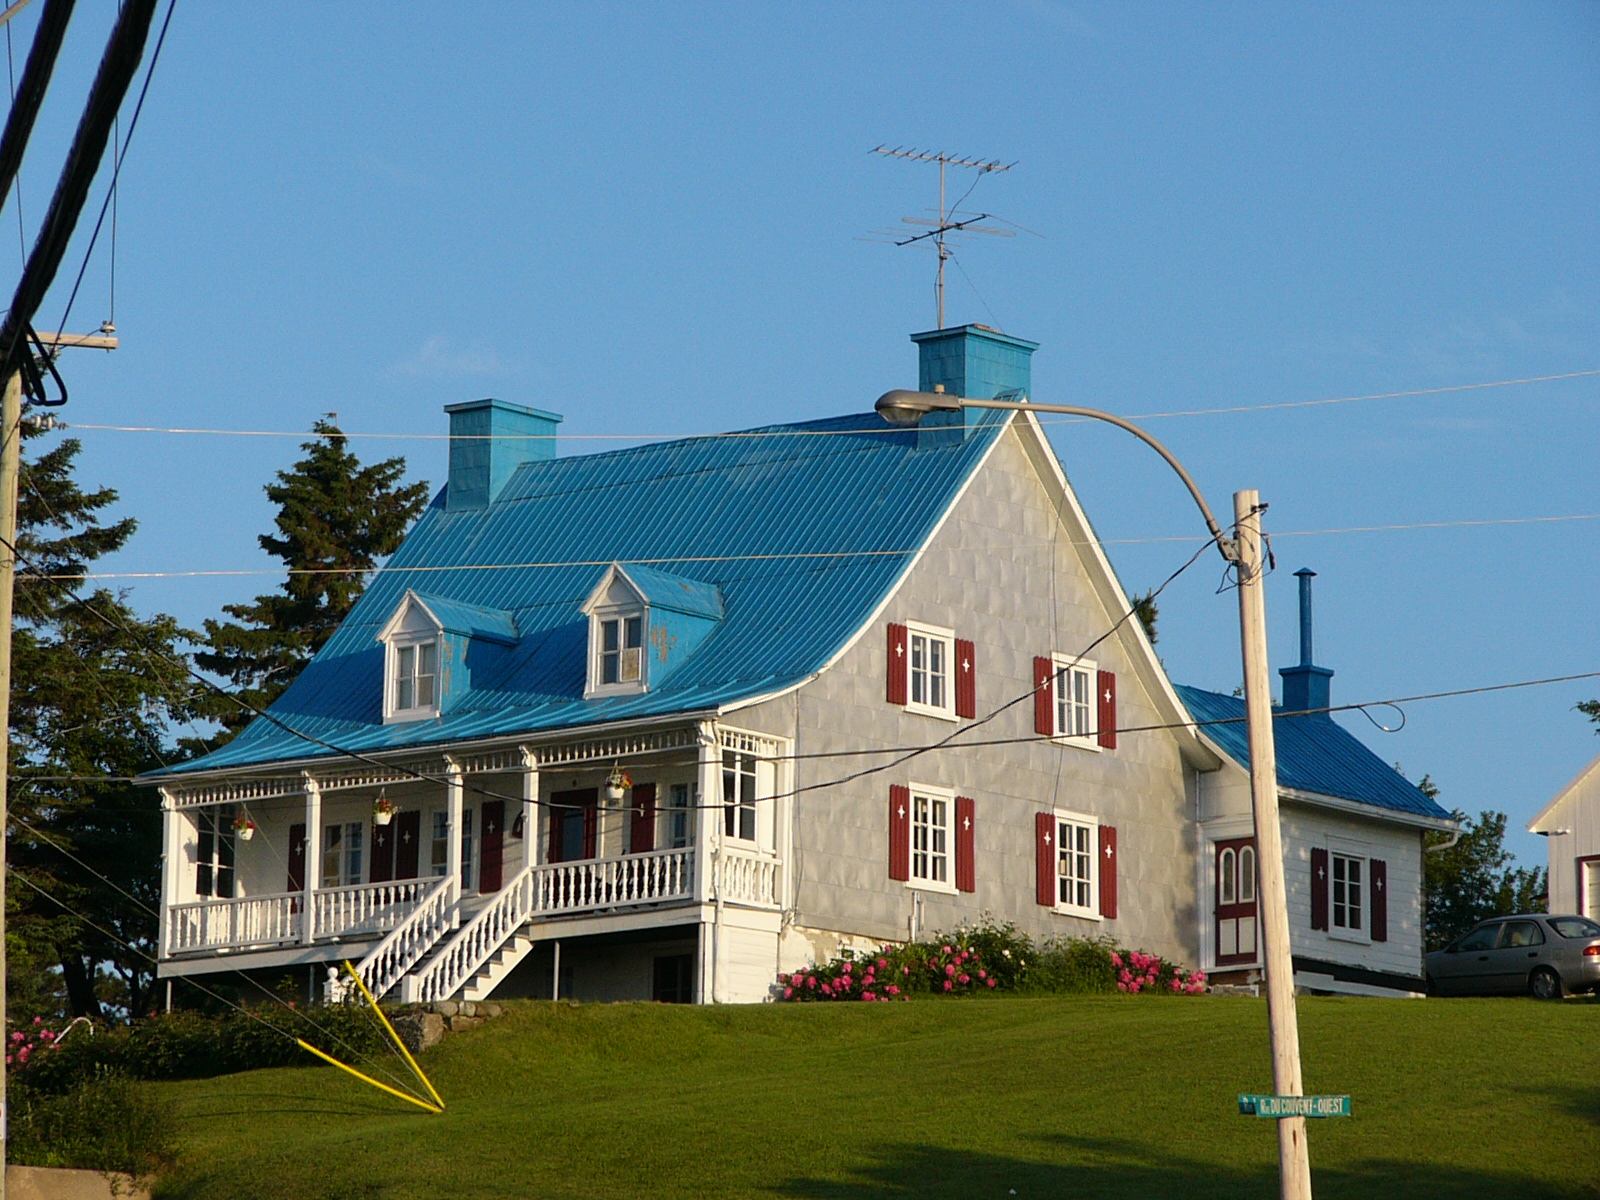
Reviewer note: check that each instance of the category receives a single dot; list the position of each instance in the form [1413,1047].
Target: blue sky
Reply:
[647,218]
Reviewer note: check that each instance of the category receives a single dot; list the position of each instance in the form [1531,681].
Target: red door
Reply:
[572,825]
[1236,902]
[494,819]
[407,834]
[382,869]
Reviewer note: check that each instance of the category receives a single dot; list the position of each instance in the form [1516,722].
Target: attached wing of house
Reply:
[1571,822]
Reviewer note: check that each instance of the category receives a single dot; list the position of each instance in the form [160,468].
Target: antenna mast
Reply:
[947,222]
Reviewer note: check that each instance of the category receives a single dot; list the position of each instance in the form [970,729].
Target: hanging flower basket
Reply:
[617,783]
[244,828]
[382,810]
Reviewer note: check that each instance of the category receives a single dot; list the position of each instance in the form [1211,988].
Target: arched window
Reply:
[1247,874]
[1227,874]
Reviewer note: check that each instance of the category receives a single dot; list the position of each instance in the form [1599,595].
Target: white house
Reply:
[1571,823]
[766,633]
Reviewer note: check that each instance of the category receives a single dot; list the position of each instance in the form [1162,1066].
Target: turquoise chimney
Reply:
[489,440]
[1306,687]
[973,361]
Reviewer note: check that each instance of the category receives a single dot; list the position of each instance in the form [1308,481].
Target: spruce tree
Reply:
[336,519]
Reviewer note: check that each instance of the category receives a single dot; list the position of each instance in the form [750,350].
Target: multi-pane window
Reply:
[621,650]
[416,673]
[1074,692]
[1076,864]
[1346,892]
[675,826]
[930,687]
[342,846]
[931,823]
[439,846]
[214,855]
[739,796]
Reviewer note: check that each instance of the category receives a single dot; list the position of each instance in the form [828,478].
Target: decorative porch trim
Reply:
[234,791]
[748,741]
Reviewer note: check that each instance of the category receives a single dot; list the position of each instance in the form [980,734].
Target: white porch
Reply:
[478,857]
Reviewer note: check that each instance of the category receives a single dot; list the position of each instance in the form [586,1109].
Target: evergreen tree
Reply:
[1144,607]
[1591,709]
[1474,879]
[94,687]
[336,520]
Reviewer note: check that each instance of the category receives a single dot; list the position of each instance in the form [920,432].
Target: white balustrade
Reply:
[226,924]
[365,908]
[747,877]
[387,962]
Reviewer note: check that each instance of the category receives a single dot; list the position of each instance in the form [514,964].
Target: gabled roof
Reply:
[1552,816]
[1315,755]
[802,529]
[662,589]
[455,616]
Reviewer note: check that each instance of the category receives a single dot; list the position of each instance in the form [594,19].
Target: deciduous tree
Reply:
[1474,879]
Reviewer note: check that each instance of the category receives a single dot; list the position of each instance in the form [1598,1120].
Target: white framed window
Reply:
[214,855]
[739,796]
[676,830]
[1077,865]
[343,844]
[616,651]
[933,839]
[1074,687]
[413,678]
[930,679]
[439,845]
[1347,913]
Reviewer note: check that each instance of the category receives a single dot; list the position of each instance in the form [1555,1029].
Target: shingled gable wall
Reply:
[990,573]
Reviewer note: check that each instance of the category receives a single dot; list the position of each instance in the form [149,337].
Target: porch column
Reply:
[453,796]
[531,825]
[313,860]
[708,817]
[172,868]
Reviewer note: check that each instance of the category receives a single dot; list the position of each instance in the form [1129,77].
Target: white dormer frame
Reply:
[411,638]
[617,605]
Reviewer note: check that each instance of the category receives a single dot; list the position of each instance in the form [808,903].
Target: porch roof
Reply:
[801,529]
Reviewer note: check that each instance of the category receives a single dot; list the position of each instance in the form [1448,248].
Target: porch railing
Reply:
[408,942]
[550,890]
[224,924]
[365,907]
[748,877]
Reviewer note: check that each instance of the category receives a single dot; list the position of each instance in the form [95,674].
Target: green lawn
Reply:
[1072,1096]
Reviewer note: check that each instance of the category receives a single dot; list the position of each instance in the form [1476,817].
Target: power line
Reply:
[554,564]
[876,428]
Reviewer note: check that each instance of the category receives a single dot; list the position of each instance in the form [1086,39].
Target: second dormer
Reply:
[433,647]
[643,623]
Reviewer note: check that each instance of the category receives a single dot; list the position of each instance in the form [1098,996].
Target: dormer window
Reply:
[621,650]
[416,674]
[432,648]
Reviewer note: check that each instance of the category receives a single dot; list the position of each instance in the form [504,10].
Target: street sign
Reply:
[1278,1107]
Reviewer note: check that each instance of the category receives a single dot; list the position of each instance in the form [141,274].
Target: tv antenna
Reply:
[949,220]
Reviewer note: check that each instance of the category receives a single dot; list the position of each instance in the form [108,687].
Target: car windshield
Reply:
[1574,927]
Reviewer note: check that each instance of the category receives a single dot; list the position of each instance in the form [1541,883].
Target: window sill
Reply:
[406,716]
[1354,936]
[1083,914]
[1077,743]
[929,885]
[927,710]
[614,689]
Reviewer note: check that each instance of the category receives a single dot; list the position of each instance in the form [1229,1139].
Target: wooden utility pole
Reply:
[1294,1159]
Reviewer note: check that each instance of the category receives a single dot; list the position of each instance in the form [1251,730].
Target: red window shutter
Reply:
[966,679]
[1044,702]
[1108,871]
[409,840]
[966,877]
[297,858]
[1044,838]
[382,869]
[1380,900]
[642,837]
[1107,684]
[899,831]
[1319,888]
[899,652]
[491,856]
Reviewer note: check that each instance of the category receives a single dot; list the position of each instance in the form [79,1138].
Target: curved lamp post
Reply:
[1243,551]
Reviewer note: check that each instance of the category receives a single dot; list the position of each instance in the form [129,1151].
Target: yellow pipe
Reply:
[410,1062]
[327,1058]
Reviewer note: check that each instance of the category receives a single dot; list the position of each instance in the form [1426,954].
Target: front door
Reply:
[572,825]
[1236,902]
[407,827]
[382,868]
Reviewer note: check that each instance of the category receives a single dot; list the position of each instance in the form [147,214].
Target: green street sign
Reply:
[1278,1107]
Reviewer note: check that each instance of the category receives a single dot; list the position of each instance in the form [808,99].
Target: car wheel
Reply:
[1429,987]
[1545,984]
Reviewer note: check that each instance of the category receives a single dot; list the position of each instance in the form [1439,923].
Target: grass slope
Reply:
[1071,1096]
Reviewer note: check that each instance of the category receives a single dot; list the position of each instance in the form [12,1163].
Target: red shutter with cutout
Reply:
[966,680]
[899,831]
[382,869]
[1107,696]
[491,870]
[642,835]
[1044,703]
[966,876]
[1319,888]
[1108,871]
[297,858]
[1380,900]
[1044,858]
[899,650]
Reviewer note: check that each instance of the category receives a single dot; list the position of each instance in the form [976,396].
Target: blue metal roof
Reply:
[453,616]
[663,589]
[761,518]
[1315,754]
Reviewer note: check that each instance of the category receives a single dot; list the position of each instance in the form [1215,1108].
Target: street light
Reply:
[1243,551]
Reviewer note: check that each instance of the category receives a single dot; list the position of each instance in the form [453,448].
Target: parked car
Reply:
[1544,954]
